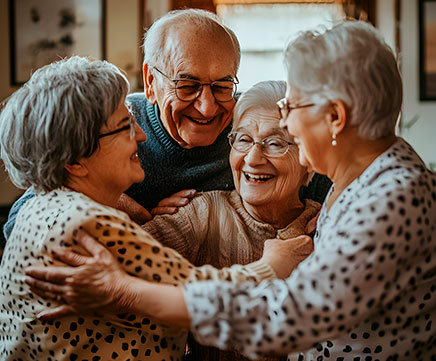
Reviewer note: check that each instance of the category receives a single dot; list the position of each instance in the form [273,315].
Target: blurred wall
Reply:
[123,38]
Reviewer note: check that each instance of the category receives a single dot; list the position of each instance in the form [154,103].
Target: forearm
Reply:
[163,302]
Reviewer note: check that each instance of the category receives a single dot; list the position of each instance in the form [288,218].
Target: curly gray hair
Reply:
[55,119]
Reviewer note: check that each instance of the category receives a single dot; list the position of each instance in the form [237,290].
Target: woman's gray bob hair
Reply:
[351,62]
[55,119]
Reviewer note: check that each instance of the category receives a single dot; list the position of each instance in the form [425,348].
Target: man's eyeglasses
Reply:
[271,146]
[285,108]
[189,89]
[130,127]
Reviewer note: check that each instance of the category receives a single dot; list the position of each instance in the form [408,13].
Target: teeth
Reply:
[258,177]
[202,121]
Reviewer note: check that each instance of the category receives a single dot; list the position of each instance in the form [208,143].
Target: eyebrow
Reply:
[190,77]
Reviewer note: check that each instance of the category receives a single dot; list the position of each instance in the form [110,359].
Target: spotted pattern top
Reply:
[367,292]
[48,221]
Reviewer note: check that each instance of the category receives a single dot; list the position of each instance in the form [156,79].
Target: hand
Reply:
[171,204]
[136,212]
[285,255]
[95,282]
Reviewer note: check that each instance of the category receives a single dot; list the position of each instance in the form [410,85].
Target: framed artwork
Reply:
[43,31]
[427,50]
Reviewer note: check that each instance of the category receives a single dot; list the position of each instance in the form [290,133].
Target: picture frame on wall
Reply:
[43,31]
[427,50]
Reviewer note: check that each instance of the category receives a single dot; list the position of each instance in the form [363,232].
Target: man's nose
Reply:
[206,103]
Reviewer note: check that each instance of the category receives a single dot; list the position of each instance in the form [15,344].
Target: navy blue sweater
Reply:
[170,168]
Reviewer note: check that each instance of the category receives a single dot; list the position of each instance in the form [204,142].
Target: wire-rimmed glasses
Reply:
[271,146]
[190,89]
[285,108]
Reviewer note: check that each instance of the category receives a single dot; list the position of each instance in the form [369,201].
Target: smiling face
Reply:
[310,131]
[115,166]
[266,184]
[200,56]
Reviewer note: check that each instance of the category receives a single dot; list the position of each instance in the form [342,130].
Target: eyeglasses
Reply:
[130,127]
[271,146]
[285,109]
[189,89]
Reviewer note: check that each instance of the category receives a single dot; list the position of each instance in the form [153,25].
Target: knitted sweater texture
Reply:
[170,168]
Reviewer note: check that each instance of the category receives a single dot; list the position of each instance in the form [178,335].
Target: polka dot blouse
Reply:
[367,292]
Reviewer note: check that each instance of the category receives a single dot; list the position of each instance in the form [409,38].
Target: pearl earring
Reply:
[334,142]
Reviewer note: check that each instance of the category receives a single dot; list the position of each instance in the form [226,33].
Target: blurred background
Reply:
[34,32]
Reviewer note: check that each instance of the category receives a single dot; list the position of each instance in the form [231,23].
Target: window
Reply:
[263,31]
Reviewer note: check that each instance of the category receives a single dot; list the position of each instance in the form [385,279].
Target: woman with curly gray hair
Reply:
[68,134]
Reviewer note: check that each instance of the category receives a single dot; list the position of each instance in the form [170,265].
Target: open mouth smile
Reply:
[201,121]
[260,178]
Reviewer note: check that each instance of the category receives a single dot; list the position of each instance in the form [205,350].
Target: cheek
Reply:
[236,161]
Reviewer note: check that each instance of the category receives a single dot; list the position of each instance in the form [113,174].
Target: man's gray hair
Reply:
[353,63]
[204,21]
[55,119]
[264,94]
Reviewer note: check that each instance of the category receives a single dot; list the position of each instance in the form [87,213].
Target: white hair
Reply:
[55,119]
[204,22]
[353,63]
[264,94]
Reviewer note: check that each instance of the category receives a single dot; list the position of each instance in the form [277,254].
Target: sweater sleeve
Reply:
[184,231]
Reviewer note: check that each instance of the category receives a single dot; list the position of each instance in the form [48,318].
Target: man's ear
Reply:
[76,169]
[338,116]
[148,84]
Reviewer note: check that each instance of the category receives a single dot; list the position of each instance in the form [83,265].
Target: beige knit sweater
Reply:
[214,228]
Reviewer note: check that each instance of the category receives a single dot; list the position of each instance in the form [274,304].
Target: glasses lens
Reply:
[274,147]
[223,90]
[187,89]
[132,122]
[241,142]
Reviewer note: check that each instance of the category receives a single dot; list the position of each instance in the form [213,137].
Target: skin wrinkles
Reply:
[274,200]
[199,122]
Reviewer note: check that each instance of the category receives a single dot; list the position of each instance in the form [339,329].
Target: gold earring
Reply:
[334,142]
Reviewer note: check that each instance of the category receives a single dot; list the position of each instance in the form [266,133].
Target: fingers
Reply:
[69,257]
[186,193]
[164,210]
[57,312]
[89,244]
[56,275]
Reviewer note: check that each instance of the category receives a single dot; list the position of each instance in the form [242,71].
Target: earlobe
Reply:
[338,116]
[76,169]
[148,84]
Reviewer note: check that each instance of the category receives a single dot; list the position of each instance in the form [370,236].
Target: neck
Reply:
[275,214]
[354,157]
[97,193]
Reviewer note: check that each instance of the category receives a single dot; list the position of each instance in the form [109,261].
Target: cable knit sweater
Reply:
[214,228]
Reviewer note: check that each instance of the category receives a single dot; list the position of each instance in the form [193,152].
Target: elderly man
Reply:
[190,65]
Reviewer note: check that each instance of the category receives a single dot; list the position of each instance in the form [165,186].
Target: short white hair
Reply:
[353,63]
[55,118]
[204,22]
[264,94]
